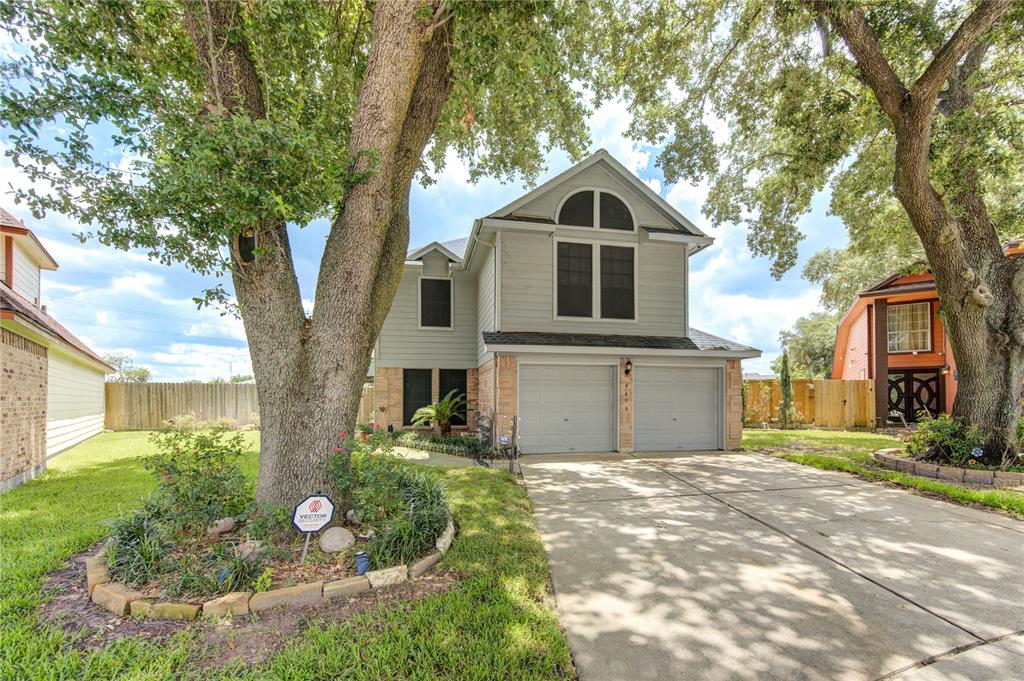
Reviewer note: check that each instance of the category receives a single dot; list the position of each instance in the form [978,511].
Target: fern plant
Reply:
[440,414]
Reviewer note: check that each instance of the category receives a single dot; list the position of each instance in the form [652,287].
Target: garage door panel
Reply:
[566,408]
[677,408]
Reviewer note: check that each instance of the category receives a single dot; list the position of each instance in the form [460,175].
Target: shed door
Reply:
[566,408]
[678,408]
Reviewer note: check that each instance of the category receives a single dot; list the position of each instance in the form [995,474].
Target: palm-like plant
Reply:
[440,413]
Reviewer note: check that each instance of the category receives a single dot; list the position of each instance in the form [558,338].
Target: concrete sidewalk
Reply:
[741,566]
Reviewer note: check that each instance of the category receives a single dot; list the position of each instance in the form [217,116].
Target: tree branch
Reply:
[862,41]
[927,87]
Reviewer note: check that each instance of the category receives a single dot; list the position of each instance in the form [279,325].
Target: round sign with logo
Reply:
[313,514]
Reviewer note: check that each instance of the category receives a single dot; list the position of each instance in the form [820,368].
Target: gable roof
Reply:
[13,304]
[455,249]
[620,171]
[14,227]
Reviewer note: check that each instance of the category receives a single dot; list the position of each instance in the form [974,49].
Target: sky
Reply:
[118,301]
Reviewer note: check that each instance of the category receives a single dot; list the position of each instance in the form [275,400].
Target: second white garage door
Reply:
[566,408]
[677,408]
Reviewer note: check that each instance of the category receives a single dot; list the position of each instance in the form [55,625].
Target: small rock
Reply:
[346,587]
[173,611]
[98,574]
[350,516]
[387,576]
[445,540]
[370,534]
[114,597]
[219,527]
[424,564]
[336,539]
[141,607]
[249,549]
[235,603]
[303,594]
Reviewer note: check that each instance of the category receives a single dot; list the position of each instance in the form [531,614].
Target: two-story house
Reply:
[563,318]
[51,383]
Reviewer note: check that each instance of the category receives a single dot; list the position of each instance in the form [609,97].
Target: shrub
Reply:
[198,477]
[139,542]
[440,414]
[456,445]
[417,525]
[943,438]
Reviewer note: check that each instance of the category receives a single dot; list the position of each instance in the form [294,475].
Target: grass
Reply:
[498,622]
[850,451]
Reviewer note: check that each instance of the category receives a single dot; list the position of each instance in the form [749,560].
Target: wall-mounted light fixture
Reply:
[945,370]
[628,369]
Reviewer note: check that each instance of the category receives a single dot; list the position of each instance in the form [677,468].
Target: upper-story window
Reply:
[910,327]
[607,212]
[591,277]
[435,303]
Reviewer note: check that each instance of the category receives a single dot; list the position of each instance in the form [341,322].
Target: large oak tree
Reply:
[199,130]
[912,111]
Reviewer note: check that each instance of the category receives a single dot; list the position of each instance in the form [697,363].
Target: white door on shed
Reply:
[566,408]
[677,408]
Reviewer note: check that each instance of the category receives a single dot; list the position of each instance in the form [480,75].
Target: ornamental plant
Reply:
[440,414]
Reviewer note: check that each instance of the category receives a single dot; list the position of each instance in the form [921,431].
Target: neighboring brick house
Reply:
[563,317]
[913,370]
[51,384]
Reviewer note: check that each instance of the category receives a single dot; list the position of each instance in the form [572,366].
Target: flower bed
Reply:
[455,445]
[198,545]
[893,460]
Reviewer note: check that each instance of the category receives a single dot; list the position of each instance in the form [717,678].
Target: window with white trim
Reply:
[607,212]
[910,327]
[435,303]
[595,281]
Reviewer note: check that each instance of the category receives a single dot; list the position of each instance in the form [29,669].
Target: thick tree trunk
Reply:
[982,290]
[310,372]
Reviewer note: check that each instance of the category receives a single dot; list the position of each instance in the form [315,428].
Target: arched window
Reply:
[611,212]
[578,210]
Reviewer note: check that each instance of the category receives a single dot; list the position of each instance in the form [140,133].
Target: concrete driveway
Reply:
[743,566]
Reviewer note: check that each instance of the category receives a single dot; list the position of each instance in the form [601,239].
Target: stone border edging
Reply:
[990,478]
[123,600]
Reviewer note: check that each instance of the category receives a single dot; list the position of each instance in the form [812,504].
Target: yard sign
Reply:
[313,514]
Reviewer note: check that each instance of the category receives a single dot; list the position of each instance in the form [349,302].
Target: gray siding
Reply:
[485,304]
[598,175]
[402,344]
[527,288]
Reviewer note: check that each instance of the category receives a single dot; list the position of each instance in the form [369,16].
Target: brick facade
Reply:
[733,404]
[387,393]
[23,385]
[485,388]
[625,407]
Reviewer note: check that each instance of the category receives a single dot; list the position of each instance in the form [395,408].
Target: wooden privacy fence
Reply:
[145,406]
[824,403]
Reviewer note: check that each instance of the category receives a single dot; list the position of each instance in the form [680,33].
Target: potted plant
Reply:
[439,415]
[364,430]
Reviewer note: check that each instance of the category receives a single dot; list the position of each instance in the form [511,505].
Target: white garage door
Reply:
[566,408]
[677,409]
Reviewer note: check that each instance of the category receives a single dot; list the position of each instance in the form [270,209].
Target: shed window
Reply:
[415,392]
[578,210]
[617,281]
[575,280]
[454,379]
[436,303]
[614,213]
[910,327]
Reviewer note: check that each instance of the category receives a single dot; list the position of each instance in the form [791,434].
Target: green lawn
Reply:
[850,451]
[498,622]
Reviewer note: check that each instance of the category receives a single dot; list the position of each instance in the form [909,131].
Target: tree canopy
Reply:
[764,102]
[810,345]
[102,112]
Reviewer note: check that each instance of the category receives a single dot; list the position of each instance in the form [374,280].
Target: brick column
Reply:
[733,404]
[507,380]
[387,390]
[435,385]
[472,397]
[625,407]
